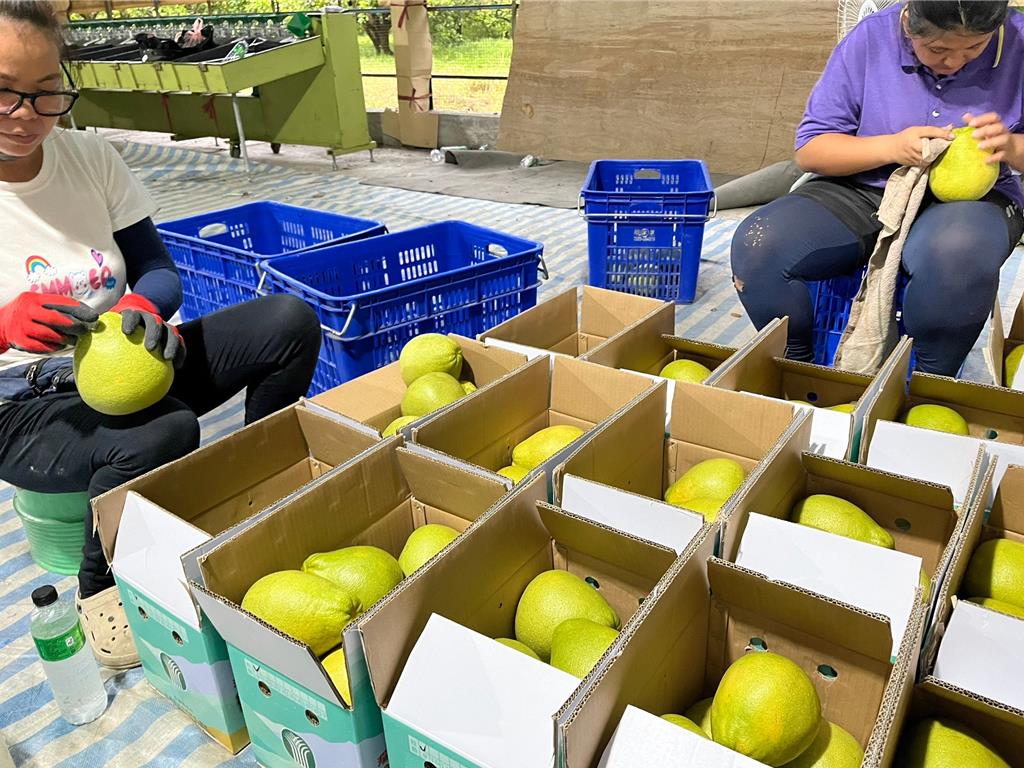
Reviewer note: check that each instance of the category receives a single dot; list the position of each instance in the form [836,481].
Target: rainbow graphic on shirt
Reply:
[36,264]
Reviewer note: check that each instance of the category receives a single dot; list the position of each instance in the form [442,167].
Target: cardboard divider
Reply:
[631,454]
[960,627]
[708,614]
[483,429]
[378,500]
[762,369]
[375,398]
[575,322]
[995,418]
[476,589]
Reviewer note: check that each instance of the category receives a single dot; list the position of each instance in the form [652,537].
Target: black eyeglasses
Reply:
[45,103]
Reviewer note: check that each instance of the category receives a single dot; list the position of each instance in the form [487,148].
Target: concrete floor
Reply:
[386,161]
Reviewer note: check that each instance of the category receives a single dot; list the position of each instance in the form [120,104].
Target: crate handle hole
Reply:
[593,582]
[264,689]
[497,250]
[142,613]
[757,644]
[313,719]
[903,524]
[647,173]
[177,638]
[827,671]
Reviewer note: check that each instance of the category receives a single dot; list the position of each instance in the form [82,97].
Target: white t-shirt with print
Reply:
[58,229]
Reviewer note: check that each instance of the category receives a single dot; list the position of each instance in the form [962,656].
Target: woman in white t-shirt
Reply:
[77,234]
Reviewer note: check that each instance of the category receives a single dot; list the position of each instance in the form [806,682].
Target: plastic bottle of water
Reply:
[67,661]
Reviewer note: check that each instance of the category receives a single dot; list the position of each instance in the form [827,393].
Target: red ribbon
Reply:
[405,9]
[210,110]
[415,99]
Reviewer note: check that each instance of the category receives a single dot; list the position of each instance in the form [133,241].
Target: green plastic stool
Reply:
[54,527]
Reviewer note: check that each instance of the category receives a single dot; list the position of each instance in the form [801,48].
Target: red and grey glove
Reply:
[136,310]
[41,322]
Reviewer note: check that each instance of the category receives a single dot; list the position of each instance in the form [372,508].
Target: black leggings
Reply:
[57,444]
[952,257]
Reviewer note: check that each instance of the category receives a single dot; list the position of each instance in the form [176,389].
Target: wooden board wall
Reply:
[721,80]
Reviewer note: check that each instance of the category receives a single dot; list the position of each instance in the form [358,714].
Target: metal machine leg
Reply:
[241,131]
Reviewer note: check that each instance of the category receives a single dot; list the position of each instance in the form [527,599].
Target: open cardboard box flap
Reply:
[477,585]
[566,326]
[375,398]
[646,348]
[235,476]
[378,500]
[1001,342]
[685,637]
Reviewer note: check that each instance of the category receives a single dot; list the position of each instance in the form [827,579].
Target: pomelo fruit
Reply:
[116,375]
[685,723]
[841,517]
[553,597]
[710,479]
[423,543]
[700,713]
[514,473]
[515,645]
[944,743]
[937,417]
[999,605]
[397,424]
[926,586]
[335,667]
[542,445]
[833,747]
[366,573]
[1012,364]
[802,402]
[430,392]
[766,708]
[844,407]
[308,608]
[468,387]
[961,172]
[686,370]
[429,353]
[578,644]
[996,570]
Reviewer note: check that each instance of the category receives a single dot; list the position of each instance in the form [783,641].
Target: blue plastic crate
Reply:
[832,300]
[218,253]
[372,296]
[646,225]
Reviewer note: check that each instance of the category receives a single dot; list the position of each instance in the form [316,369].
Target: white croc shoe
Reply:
[106,627]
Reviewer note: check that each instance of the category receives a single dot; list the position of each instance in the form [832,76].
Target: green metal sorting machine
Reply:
[306,91]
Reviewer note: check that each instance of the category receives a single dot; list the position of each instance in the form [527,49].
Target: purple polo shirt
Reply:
[873,85]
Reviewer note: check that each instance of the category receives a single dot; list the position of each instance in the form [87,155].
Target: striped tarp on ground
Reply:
[141,728]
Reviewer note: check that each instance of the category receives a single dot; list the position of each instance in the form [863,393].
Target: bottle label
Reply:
[61,647]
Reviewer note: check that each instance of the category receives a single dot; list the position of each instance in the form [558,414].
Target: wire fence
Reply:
[472,42]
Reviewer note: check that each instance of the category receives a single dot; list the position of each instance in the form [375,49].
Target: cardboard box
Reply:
[449,694]
[569,325]
[620,472]
[292,709]
[375,399]
[961,628]
[995,417]
[1002,342]
[920,517]
[149,525]
[762,369]
[1002,728]
[708,614]
[484,428]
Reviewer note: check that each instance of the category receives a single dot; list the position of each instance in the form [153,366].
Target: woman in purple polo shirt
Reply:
[909,72]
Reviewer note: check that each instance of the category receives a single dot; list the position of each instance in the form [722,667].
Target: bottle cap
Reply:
[44,596]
